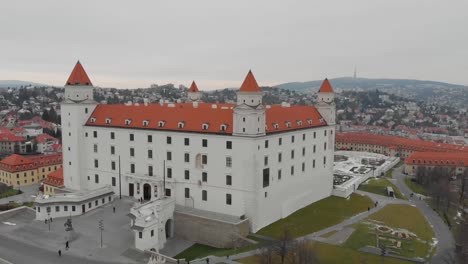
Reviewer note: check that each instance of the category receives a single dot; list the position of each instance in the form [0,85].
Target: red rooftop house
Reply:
[53,182]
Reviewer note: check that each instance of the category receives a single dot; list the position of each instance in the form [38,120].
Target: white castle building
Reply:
[243,166]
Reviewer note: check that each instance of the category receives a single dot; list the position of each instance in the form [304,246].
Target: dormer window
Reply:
[205,126]
[161,123]
[108,120]
[288,124]
[181,124]
[276,125]
[299,122]
[309,121]
[223,127]
[93,120]
[145,123]
[128,121]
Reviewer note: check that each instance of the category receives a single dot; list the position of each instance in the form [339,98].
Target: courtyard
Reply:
[85,239]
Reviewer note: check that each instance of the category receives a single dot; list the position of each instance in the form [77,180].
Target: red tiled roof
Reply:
[438,158]
[16,162]
[250,84]
[326,87]
[78,76]
[193,118]
[55,178]
[42,138]
[397,142]
[9,137]
[193,88]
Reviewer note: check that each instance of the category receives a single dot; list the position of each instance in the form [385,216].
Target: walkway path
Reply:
[446,242]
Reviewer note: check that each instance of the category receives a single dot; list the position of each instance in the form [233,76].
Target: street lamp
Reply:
[101,228]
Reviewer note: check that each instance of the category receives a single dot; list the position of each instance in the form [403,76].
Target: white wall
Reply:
[284,197]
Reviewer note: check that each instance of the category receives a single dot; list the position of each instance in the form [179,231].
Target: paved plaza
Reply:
[22,231]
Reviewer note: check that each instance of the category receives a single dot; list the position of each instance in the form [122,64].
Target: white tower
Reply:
[194,94]
[249,114]
[326,102]
[75,110]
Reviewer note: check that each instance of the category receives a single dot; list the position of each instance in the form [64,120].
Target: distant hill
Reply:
[17,84]
[364,83]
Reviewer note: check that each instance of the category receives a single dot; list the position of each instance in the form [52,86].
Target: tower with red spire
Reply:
[193,93]
[249,114]
[75,110]
[326,102]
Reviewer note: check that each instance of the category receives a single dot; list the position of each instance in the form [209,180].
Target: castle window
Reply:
[275,125]
[223,127]
[288,124]
[161,123]
[108,120]
[181,124]
[205,126]
[309,121]
[145,123]
[93,120]
[299,122]
[128,121]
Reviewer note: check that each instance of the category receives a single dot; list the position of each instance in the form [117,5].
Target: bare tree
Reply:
[266,255]
[463,188]
[284,243]
[303,252]
[462,241]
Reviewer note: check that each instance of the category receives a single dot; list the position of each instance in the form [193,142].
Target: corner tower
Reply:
[75,110]
[326,102]
[249,113]
[194,94]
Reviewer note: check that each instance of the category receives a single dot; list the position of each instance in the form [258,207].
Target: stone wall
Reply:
[210,232]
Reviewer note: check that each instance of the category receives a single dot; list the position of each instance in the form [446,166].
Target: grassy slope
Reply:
[415,187]
[378,186]
[396,216]
[329,254]
[319,215]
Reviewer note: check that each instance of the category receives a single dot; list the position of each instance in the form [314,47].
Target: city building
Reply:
[391,145]
[53,181]
[457,162]
[10,143]
[17,170]
[235,167]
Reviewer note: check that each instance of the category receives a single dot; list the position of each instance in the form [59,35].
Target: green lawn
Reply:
[329,254]
[9,192]
[396,216]
[378,186]
[319,215]
[389,173]
[199,251]
[414,186]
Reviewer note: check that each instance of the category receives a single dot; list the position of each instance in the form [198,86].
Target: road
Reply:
[446,242]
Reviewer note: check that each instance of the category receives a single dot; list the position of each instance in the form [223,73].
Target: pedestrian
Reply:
[113,208]
[50,219]
[368,209]
[207,261]
[60,253]
[66,245]
[45,221]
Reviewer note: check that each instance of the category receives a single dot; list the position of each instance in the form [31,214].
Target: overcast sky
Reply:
[129,44]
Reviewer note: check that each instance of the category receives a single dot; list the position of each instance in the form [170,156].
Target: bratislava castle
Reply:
[247,160]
